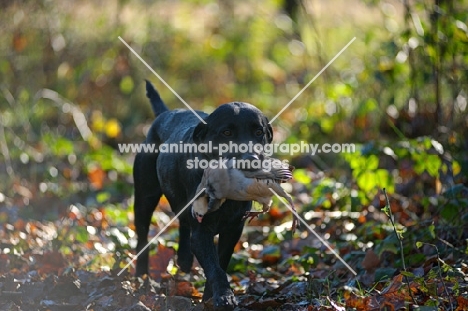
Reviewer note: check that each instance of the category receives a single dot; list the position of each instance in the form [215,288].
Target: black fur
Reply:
[163,173]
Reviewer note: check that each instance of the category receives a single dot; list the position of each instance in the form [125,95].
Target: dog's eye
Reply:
[258,132]
[227,133]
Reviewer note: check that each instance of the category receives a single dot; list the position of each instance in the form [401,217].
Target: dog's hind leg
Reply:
[184,252]
[147,195]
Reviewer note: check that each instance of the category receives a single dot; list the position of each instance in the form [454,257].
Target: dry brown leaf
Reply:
[462,303]
[371,261]
[51,262]
[158,263]
[186,289]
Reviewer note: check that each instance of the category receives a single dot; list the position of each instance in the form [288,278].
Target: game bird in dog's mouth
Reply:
[232,183]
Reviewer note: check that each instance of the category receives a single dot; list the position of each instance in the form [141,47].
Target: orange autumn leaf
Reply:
[19,42]
[394,286]
[362,219]
[462,303]
[358,302]
[186,289]
[96,177]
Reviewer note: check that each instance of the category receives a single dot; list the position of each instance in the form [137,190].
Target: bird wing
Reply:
[281,174]
[276,170]
[215,182]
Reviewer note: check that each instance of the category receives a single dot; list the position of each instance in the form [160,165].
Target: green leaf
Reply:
[102,197]
[81,234]
[59,146]
[385,180]
[238,263]
[116,214]
[372,162]
[301,176]
[368,106]
[408,274]
[127,85]
[450,211]
[367,181]
[327,124]
[400,234]
[356,161]
[431,230]
[433,163]
[386,210]
[419,244]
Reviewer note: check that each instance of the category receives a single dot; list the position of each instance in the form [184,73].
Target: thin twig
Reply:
[390,215]
[440,273]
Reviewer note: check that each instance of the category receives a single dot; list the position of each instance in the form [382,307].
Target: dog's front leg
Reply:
[203,247]
[228,239]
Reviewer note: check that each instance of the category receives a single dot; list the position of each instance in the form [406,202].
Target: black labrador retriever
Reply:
[156,174]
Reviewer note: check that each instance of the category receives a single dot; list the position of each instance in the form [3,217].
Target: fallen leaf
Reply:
[186,289]
[462,303]
[158,262]
[51,262]
[371,261]
[271,255]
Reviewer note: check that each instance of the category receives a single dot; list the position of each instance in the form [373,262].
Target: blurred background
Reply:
[70,91]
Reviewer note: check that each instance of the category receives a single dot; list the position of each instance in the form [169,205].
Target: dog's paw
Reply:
[225,302]
[184,259]
[185,264]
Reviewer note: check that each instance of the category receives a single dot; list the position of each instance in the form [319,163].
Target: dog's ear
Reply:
[199,132]
[268,132]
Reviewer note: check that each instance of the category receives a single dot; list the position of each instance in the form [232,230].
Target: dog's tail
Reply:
[156,102]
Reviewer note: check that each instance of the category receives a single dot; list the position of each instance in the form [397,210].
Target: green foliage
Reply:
[308,259]
[413,156]
[365,170]
[301,176]
[59,146]
[117,215]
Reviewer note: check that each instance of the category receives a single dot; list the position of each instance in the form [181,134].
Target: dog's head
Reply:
[235,123]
